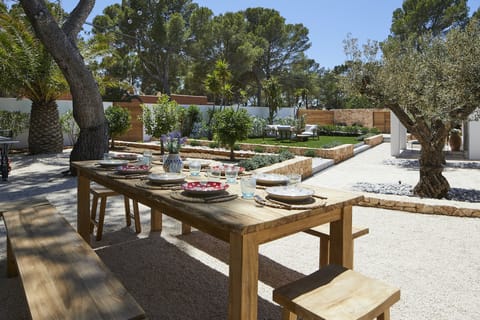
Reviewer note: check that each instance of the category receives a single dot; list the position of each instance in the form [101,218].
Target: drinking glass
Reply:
[231,173]
[214,173]
[107,156]
[147,158]
[294,179]
[247,186]
[194,167]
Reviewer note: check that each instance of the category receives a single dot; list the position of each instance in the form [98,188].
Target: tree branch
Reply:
[77,18]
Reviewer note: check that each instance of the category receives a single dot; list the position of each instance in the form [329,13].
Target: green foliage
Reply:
[259,161]
[237,147]
[119,121]
[188,118]
[310,153]
[258,127]
[259,149]
[213,145]
[230,126]
[273,98]
[195,143]
[332,145]
[14,120]
[69,126]
[162,117]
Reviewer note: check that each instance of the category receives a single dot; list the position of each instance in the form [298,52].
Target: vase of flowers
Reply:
[172,162]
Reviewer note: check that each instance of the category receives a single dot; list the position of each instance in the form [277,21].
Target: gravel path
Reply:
[433,259]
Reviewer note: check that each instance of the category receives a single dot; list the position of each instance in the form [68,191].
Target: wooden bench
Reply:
[335,292]
[323,232]
[63,278]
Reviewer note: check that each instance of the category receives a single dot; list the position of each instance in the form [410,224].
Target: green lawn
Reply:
[311,143]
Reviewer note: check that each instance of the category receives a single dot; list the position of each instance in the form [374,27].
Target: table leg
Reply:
[83,207]
[155,220]
[341,241]
[243,278]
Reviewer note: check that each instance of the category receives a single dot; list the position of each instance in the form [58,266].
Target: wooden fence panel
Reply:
[381,121]
[321,117]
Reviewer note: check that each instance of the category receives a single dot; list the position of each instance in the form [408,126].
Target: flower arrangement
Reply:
[173,141]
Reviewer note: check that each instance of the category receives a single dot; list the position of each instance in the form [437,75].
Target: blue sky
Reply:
[328,21]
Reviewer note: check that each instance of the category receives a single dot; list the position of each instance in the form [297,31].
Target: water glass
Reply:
[231,173]
[214,173]
[147,158]
[294,179]
[247,186]
[107,156]
[194,167]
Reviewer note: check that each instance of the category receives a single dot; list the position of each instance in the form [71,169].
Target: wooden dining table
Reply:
[243,223]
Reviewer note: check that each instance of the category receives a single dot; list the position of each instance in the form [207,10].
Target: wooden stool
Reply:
[102,193]
[323,232]
[335,292]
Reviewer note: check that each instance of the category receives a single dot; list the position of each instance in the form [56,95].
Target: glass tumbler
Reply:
[247,186]
[194,167]
[231,173]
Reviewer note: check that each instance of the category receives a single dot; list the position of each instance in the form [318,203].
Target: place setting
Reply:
[163,181]
[204,192]
[130,171]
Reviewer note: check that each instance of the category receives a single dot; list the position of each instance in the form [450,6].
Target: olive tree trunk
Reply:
[432,183]
[87,102]
[43,138]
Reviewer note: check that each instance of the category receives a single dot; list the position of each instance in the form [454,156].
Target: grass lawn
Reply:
[311,143]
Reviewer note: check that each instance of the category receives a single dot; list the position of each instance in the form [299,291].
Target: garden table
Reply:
[240,222]
[5,145]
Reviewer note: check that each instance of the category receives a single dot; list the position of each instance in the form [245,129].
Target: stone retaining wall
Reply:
[301,165]
[374,140]
[428,206]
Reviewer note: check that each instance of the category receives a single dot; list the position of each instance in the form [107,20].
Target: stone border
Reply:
[426,206]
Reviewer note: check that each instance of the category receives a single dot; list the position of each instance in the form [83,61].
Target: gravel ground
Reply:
[434,260]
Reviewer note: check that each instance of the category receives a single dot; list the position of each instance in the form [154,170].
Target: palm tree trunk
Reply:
[432,183]
[43,138]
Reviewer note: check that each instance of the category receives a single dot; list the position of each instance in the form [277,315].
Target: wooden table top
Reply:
[239,215]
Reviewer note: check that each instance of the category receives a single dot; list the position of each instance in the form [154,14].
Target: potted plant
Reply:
[455,140]
[173,141]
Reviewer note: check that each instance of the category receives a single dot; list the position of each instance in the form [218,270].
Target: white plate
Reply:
[166,178]
[133,168]
[270,179]
[204,163]
[112,163]
[202,188]
[288,193]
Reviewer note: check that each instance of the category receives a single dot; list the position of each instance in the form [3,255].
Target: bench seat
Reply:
[62,277]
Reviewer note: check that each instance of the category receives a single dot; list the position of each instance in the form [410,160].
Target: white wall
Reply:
[12,104]
[473,142]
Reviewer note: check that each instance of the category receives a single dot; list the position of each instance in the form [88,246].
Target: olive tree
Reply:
[430,83]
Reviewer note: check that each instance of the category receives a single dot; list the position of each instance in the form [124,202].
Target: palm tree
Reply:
[29,71]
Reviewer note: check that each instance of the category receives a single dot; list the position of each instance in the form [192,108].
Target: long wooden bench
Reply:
[323,232]
[63,278]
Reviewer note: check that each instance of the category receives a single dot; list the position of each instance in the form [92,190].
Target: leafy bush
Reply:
[332,144]
[119,121]
[213,145]
[230,126]
[260,161]
[69,126]
[194,143]
[374,131]
[14,120]
[236,147]
[310,153]
[258,127]
[188,118]
[259,149]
